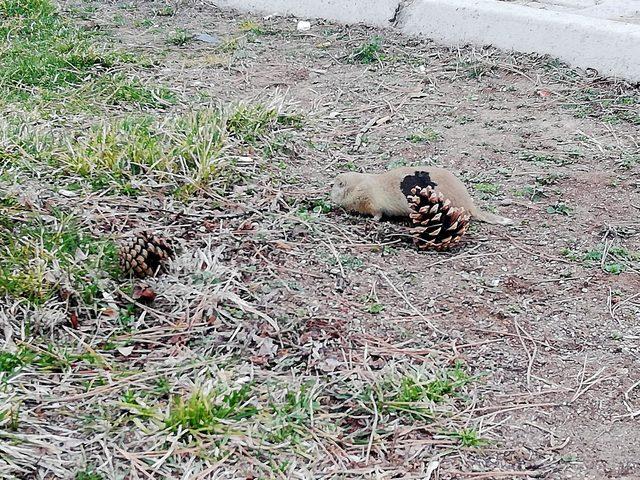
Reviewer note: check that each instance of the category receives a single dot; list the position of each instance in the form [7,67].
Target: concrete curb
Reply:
[372,12]
[610,47]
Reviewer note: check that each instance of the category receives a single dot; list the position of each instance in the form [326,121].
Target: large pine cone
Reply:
[144,255]
[438,225]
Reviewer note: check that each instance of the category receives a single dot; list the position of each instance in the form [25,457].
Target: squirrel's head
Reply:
[344,186]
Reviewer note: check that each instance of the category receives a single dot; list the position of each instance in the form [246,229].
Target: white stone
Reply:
[303,26]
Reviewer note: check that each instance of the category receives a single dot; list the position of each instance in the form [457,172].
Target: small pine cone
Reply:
[144,255]
[438,225]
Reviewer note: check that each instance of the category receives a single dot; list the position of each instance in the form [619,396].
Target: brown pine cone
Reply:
[144,255]
[438,225]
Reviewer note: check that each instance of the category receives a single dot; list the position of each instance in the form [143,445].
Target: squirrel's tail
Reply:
[491,218]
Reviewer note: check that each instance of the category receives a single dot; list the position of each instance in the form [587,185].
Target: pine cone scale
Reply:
[438,224]
[144,255]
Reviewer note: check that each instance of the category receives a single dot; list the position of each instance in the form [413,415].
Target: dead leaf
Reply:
[80,256]
[259,360]
[143,293]
[177,339]
[543,93]
[209,226]
[267,347]
[110,313]
[329,364]
[282,245]
[67,193]
[247,226]
[73,318]
[125,351]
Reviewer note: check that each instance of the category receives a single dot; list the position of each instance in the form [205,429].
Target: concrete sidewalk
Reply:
[603,35]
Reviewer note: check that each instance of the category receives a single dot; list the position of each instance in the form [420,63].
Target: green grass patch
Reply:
[375,308]
[468,437]
[559,208]
[532,192]
[348,261]
[47,61]
[427,135]
[165,12]
[45,357]
[369,52]
[182,151]
[38,257]
[10,416]
[42,52]
[538,191]
[120,89]
[312,207]
[476,69]
[88,474]
[252,122]
[614,268]
[162,387]
[414,393]
[618,259]
[603,104]
[292,415]
[488,189]
[204,412]
[628,161]
[544,158]
[249,26]
[26,8]
[49,358]
[9,362]
[179,37]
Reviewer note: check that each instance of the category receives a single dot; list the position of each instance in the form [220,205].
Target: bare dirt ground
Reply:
[542,318]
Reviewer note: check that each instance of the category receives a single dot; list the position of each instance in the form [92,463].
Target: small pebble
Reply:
[207,38]
[303,26]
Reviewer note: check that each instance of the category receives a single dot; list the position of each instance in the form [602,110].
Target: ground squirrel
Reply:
[385,194]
